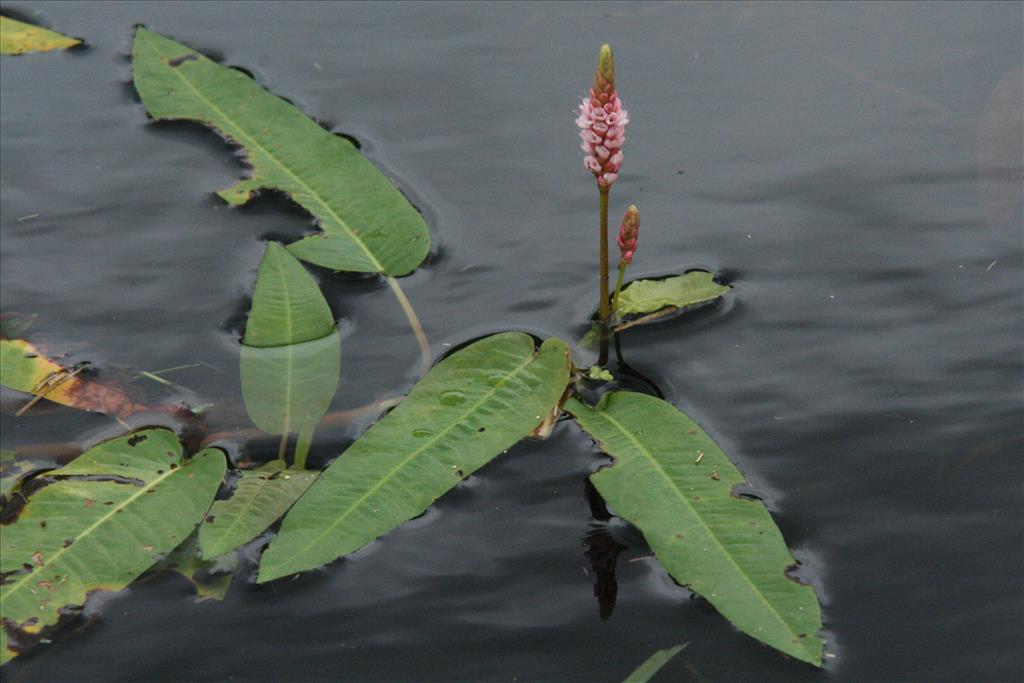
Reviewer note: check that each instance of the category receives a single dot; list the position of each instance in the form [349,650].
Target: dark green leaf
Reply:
[676,485]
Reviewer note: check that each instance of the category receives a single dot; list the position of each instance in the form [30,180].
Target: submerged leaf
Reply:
[211,578]
[17,38]
[652,299]
[106,518]
[367,224]
[469,408]
[24,368]
[288,389]
[261,496]
[12,471]
[676,485]
[653,664]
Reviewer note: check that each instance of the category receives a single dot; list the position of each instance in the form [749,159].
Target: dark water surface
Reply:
[854,169]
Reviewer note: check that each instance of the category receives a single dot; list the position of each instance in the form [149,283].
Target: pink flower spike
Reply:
[603,123]
[629,233]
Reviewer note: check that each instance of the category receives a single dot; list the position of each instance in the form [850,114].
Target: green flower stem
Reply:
[603,289]
[618,286]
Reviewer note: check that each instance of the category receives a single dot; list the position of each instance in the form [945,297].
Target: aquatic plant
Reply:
[138,502]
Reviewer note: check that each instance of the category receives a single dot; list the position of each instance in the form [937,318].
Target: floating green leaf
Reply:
[17,38]
[469,408]
[106,518]
[260,497]
[210,578]
[652,299]
[653,664]
[367,224]
[287,306]
[676,485]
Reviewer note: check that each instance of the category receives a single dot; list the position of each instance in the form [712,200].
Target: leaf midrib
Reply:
[618,425]
[88,530]
[430,442]
[241,131]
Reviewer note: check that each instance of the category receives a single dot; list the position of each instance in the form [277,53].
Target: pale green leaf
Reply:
[653,664]
[676,485]
[260,497]
[107,517]
[17,38]
[367,224]
[289,388]
[651,299]
[468,409]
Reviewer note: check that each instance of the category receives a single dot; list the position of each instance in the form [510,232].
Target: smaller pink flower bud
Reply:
[629,233]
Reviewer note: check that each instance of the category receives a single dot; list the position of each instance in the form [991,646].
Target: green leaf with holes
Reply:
[645,300]
[260,497]
[367,224]
[675,484]
[290,361]
[467,410]
[104,519]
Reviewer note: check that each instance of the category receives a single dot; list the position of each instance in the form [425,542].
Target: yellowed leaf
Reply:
[17,38]
[23,367]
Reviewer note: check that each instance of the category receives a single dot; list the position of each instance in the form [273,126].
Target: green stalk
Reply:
[302,443]
[603,288]
[618,286]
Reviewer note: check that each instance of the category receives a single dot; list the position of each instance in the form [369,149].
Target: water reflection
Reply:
[603,552]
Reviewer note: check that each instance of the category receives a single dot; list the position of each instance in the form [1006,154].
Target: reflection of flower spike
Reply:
[629,232]
[603,123]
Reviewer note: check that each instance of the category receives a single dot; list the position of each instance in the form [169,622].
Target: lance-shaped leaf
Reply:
[291,353]
[367,224]
[675,484]
[17,38]
[23,367]
[106,518]
[645,300]
[469,408]
[260,497]
[653,664]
